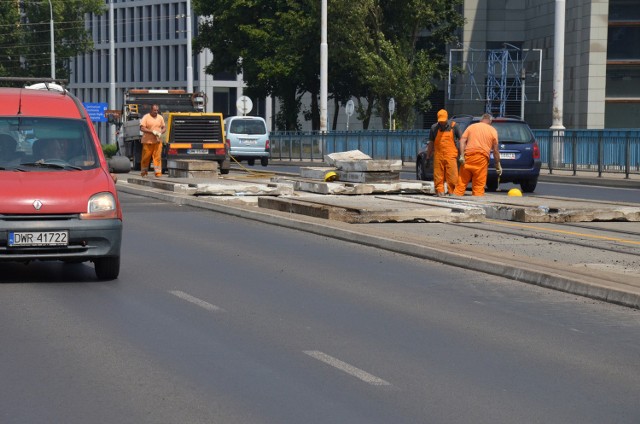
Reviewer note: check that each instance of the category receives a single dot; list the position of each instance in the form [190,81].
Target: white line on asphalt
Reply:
[349,369]
[206,305]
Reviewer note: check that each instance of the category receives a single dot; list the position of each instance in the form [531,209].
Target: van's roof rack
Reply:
[47,83]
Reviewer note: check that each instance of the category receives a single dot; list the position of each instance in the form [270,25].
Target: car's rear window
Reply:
[27,140]
[512,132]
[248,126]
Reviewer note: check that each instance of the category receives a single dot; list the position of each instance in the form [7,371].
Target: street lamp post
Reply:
[53,54]
[324,59]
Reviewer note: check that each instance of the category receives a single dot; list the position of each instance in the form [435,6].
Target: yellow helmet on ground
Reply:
[330,176]
[514,192]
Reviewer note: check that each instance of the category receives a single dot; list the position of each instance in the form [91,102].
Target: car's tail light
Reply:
[221,152]
[267,146]
[536,150]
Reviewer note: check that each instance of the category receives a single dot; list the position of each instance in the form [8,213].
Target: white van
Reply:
[248,139]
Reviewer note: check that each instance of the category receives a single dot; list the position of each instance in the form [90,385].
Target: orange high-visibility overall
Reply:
[151,145]
[445,160]
[481,138]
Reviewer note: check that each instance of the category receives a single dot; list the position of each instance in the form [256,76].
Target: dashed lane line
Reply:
[349,369]
[199,302]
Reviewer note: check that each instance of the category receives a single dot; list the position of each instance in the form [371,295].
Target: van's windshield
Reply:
[65,142]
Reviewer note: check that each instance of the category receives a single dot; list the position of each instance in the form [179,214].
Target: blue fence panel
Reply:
[587,150]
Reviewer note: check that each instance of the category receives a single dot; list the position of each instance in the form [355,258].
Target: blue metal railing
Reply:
[576,150]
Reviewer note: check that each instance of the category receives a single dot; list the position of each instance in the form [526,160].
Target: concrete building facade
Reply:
[601,57]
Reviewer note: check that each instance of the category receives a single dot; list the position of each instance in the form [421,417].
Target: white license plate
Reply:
[507,155]
[39,238]
[249,142]
[198,151]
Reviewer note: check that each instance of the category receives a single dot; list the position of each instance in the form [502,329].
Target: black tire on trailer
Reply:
[137,155]
[224,165]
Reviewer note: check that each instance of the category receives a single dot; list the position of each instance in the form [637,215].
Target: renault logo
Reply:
[37,205]
[502,146]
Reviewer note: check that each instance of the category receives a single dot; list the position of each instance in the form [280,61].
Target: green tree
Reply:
[377,50]
[25,36]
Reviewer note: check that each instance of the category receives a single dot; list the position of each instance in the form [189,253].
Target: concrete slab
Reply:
[356,161]
[192,168]
[321,187]
[370,209]
[550,209]
[220,187]
[318,173]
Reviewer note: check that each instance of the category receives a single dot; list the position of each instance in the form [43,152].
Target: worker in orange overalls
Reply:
[152,127]
[476,144]
[443,146]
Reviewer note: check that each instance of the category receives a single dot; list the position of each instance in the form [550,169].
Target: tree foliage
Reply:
[378,49]
[25,36]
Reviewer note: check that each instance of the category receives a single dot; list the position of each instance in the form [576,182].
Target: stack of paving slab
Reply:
[190,168]
[357,173]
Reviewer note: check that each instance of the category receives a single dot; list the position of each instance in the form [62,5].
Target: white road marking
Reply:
[349,369]
[206,305]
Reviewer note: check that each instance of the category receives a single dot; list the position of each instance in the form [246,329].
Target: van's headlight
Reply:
[100,206]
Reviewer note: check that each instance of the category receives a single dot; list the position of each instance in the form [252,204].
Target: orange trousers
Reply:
[445,168]
[475,170]
[151,151]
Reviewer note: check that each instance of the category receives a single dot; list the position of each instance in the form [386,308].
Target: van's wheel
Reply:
[264,161]
[251,162]
[107,268]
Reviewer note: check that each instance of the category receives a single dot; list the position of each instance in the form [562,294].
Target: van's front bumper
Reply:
[88,239]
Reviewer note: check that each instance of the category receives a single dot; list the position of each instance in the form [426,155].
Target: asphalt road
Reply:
[225,320]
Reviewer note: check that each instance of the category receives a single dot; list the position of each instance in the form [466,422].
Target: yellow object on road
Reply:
[330,176]
[514,192]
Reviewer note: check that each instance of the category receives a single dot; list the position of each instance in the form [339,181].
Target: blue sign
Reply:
[96,111]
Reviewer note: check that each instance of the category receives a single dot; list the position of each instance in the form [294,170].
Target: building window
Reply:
[622,93]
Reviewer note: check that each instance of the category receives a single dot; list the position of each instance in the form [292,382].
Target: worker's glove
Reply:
[461,160]
[156,133]
[499,169]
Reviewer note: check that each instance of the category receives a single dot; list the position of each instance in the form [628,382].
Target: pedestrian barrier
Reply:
[598,151]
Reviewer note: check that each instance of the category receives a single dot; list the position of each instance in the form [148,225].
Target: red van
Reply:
[58,200]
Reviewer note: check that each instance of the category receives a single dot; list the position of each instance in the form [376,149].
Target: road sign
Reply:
[244,105]
[349,107]
[392,106]
[96,111]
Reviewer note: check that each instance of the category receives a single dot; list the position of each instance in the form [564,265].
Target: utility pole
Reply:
[558,87]
[53,54]
[558,66]
[189,51]
[112,70]
[324,59]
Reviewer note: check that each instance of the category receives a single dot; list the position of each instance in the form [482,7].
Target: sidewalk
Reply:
[608,179]
[611,276]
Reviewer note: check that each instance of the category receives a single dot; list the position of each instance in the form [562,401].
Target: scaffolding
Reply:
[495,76]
